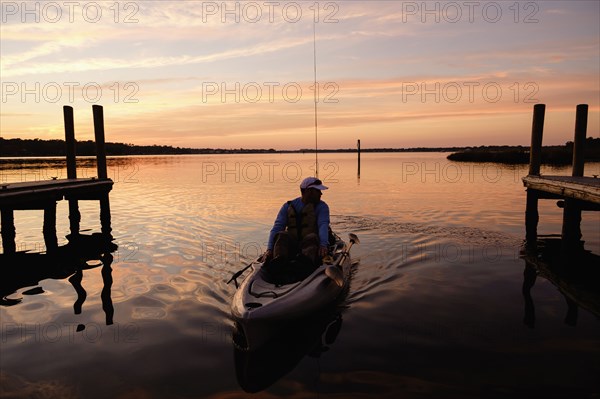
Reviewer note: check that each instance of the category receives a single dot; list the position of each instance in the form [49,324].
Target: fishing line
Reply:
[315,98]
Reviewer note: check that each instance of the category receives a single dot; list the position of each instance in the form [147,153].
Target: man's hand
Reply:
[267,255]
[323,251]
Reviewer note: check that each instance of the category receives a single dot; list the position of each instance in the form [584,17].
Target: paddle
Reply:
[334,272]
[239,272]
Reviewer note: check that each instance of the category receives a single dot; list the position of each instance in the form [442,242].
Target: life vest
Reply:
[308,220]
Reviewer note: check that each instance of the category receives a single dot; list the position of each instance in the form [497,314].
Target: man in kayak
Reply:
[302,225]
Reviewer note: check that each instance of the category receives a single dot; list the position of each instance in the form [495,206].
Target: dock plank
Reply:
[22,195]
[581,188]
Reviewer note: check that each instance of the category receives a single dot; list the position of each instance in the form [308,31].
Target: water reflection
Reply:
[13,170]
[575,274]
[83,252]
[256,370]
[180,238]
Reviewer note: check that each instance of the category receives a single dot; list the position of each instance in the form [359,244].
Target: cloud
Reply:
[556,11]
[390,75]
[12,68]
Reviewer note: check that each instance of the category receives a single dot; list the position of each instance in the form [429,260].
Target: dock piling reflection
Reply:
[575,274]
[24,269]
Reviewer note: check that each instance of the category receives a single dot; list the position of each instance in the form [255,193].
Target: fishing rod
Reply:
[237,274]
[315,98]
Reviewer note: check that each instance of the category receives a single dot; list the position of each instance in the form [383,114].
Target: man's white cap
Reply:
[312,182]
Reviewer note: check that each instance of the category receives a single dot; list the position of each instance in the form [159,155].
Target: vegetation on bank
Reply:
[47,148]
[556,155]
[553,155]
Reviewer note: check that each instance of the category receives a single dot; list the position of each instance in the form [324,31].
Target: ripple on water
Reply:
[397,256]
[134,285]
[147,301]
[164,293]
[39,311]
[147,307]
[463,234]
[206,294]
[193,275]
[148,313]
[34,307]
[182,284]
[157,278]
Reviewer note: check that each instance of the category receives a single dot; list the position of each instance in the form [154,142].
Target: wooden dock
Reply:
[564,262]
[43,195]
[577,192]
[30,194]
[585,189]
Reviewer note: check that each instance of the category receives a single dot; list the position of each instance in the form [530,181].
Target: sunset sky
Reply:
[240,74]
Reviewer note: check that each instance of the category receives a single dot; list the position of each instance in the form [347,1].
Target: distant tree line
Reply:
[40,148]
[553,155]
[557,155]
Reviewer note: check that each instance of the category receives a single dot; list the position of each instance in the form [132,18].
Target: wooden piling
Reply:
[579,140]
[535,161]
[70,142]
[74,215]
[571,227]
[105,215]
[358,152]
[8,230]
[99,136]
[532,218]
[537,132]
[49,228]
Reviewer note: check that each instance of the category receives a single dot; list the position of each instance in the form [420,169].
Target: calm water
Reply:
[435,308]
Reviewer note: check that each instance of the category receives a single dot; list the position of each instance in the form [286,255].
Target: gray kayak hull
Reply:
[258,306]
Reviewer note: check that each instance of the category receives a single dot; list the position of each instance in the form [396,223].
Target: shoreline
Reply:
[20,149]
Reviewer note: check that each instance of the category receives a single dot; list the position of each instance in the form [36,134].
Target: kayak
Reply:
[264,301]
